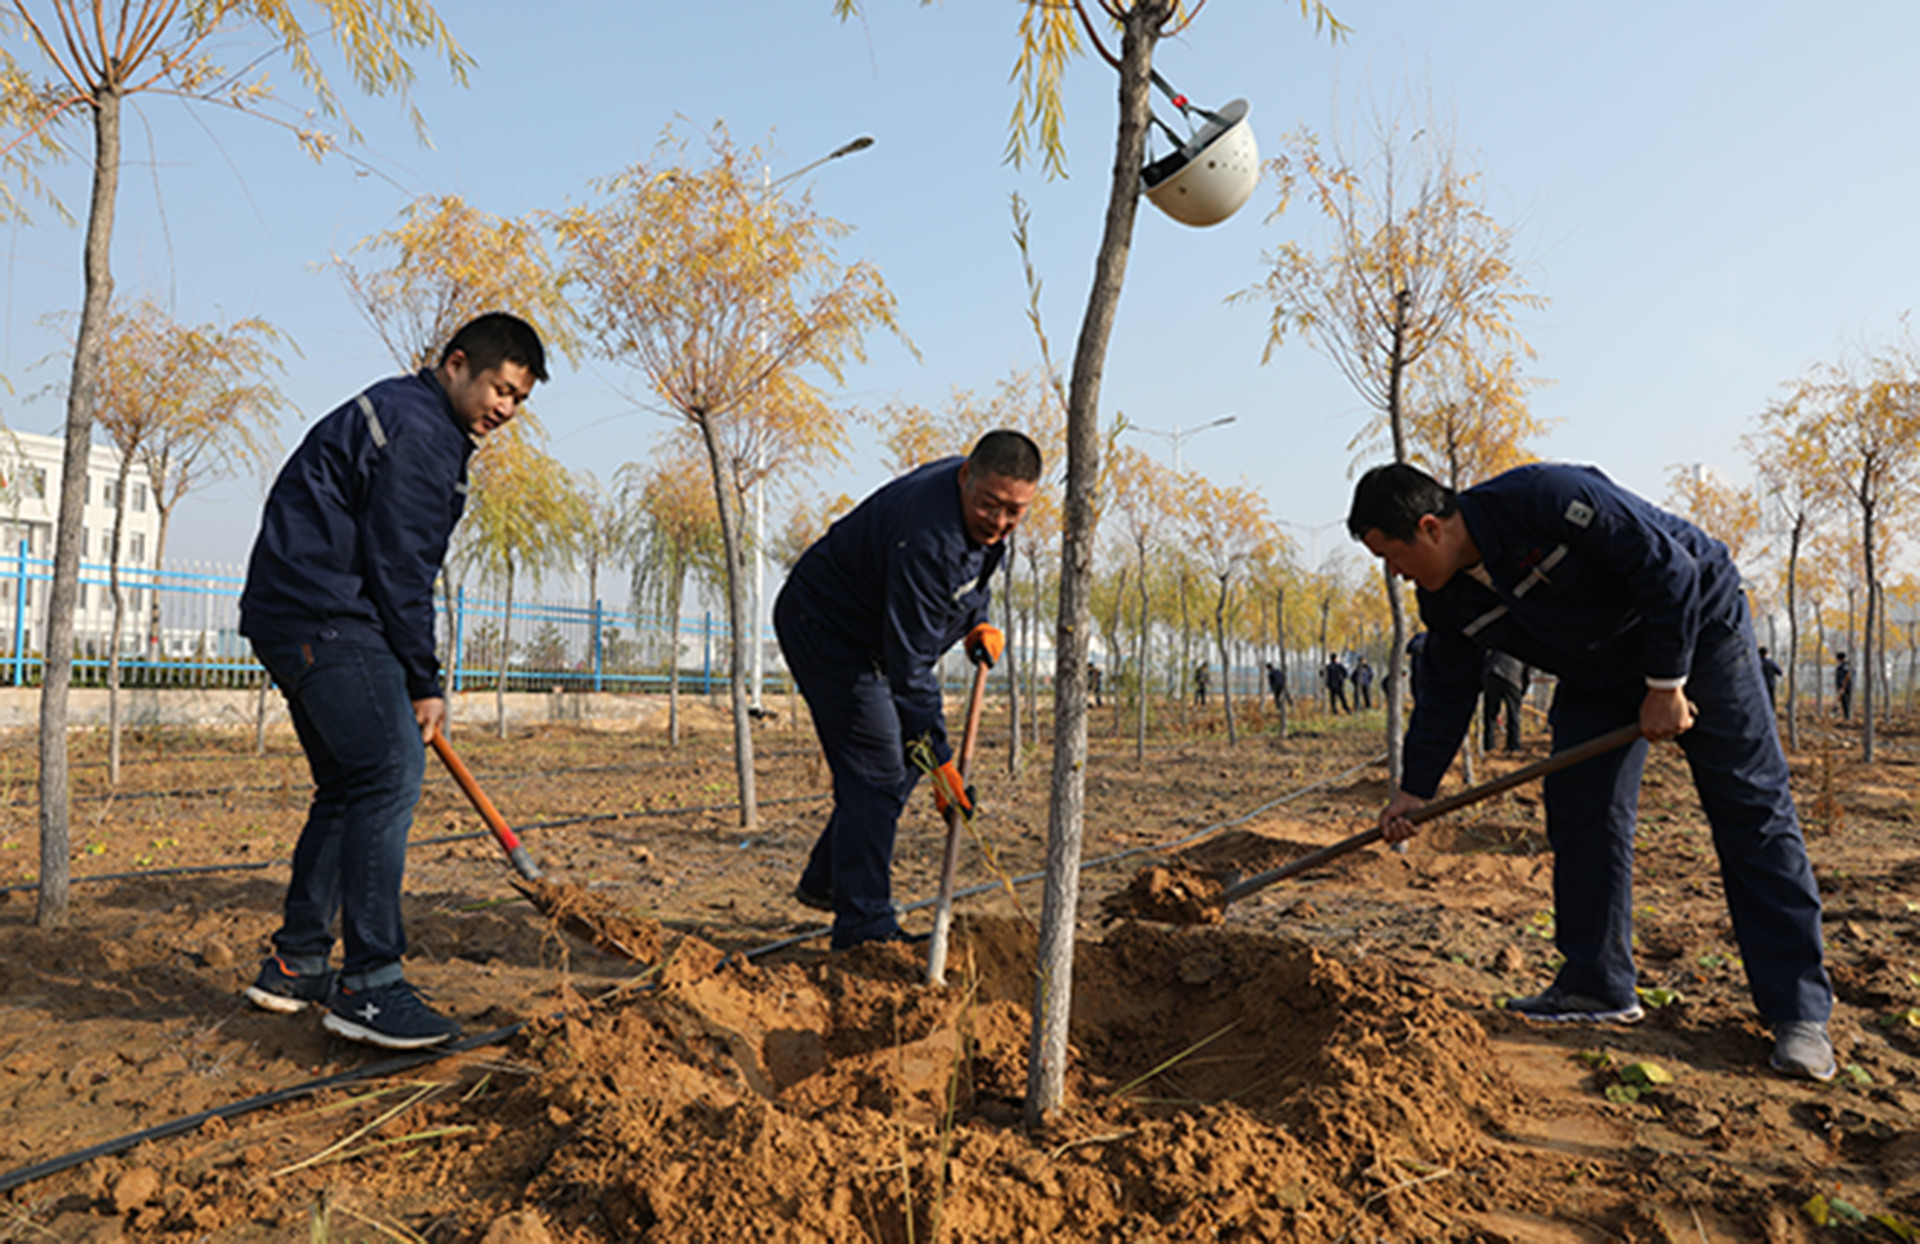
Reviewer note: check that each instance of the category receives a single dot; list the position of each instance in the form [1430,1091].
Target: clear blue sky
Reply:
[1714,195]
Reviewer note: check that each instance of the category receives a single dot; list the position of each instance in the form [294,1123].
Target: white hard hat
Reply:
[1213,173]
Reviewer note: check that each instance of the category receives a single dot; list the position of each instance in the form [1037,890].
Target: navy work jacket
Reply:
[1582,578]
[357,524]
[899,581]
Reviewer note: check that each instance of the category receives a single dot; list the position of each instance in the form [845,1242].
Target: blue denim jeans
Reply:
[859,728]
[355,720]
[1740,773]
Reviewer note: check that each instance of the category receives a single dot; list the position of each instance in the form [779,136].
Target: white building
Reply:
[31,467]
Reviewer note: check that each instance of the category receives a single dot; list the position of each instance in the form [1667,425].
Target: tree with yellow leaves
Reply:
[188,404]
[1792,472]
[524,519]
[679,535]
[1417,270]
[1142,492]
[1725,511]
[726,294]
[1865,420]
[1468,419]
[1228,527]
[445,264]
[94,57]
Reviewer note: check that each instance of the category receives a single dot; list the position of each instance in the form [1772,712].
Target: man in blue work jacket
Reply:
[339,607]
[1641,615]
[864,615]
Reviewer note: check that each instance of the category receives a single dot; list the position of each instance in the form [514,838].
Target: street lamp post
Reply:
[760,486]
[1179,434]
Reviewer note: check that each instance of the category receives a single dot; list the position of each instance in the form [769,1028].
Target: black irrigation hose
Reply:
[386,1066]
[185,870]
[404,1062]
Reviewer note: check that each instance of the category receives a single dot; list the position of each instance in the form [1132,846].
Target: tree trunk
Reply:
[724,492]
[674,599]
[57,682]
[1280,655]
[1140,671]
[1226,662]
[1868,648]
[119,620]
[1014,740]
[1793,633]
[506,656]
[1053,992]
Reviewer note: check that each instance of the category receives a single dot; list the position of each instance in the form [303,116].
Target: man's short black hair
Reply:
[1008,454]
[1392,499]
[495,338]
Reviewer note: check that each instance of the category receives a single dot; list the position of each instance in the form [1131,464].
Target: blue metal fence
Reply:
[181,628]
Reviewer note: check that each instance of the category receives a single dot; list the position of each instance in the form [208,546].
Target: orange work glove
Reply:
[950,789]
[985,643]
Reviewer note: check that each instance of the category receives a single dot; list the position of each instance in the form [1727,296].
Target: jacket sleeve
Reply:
[915,631]
[1442,710]
[404,524]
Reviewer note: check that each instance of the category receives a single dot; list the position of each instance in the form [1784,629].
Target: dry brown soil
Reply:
[1330,1064]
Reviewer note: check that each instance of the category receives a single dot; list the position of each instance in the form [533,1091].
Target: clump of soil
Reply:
[600,922]
[1221,1083]
[1171,894]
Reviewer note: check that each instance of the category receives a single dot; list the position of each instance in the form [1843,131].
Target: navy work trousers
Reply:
[355,721]
[859,729]
[1740,773]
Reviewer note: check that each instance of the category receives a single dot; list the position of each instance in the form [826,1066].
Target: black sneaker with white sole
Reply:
[392,1015]
[280,989]
[1555,1005]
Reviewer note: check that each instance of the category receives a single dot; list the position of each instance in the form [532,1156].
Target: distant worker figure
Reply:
[1641,616]
[1843,685]
[1503,684]
[1335,675]
[1771,671]
[1277,683]
[864,615]
[1200,684]
[339,607]
[1362,683]
[1094,679]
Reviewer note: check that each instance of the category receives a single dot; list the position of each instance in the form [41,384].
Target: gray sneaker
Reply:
[1801,1048]
[1555,1006]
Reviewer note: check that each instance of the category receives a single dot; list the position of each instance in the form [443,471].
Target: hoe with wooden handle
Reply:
[950,860]
[1204,900]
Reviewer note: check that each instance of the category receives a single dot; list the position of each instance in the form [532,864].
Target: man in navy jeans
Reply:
[339,607]
[1641,616]
[867,611]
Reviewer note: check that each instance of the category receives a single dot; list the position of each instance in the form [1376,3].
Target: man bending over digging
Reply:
[1641,615]
[339,607]
[866,613]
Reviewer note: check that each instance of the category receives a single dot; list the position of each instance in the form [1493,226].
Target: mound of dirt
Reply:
[1223,1085]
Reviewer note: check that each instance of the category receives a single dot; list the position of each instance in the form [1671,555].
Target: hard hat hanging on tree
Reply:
[1210,175]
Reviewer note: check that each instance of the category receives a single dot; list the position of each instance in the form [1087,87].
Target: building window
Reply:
[140,498]
[139,549]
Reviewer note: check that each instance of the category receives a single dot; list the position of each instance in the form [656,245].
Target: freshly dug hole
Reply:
[734,1098]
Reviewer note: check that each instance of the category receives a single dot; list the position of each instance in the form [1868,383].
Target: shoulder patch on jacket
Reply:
[1579,513]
